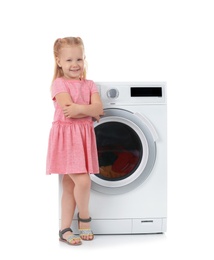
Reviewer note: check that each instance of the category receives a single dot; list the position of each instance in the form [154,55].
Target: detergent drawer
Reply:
[156,225]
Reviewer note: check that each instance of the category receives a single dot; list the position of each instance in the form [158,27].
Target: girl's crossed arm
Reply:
[72,110]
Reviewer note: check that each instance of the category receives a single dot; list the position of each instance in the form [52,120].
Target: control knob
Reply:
[112,93]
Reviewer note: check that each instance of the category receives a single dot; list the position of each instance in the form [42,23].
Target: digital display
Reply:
[146,92]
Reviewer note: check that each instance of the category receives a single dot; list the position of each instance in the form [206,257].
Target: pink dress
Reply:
[72,142]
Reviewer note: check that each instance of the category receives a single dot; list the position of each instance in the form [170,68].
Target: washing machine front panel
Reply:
[135,202]
[126,150]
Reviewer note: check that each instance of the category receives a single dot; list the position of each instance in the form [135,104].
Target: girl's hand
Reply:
[71,111]
[96,118]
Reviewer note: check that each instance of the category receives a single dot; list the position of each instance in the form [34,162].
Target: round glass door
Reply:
[126,152]
[119,150]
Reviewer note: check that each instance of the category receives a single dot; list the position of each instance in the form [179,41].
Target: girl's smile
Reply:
[71,60]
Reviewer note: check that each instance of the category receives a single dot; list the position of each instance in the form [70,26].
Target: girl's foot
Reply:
[66,235]
[84,228]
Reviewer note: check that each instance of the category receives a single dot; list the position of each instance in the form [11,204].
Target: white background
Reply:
[125,40]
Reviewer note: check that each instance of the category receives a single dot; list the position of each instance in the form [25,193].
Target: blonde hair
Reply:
[58,45]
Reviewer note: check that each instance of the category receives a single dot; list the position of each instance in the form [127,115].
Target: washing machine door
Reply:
[126,144]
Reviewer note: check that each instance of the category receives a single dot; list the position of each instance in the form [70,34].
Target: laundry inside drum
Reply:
[120,150]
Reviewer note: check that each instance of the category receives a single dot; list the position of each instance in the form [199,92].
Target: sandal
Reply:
[70,239]
[85,231]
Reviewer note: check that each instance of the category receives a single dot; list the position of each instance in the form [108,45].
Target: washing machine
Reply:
[129,194]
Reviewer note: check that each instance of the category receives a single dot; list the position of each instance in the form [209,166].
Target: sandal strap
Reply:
[73,238]
[62,232]
[85,232]
[84,220]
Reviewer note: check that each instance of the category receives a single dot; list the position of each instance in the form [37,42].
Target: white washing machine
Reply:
[129,195]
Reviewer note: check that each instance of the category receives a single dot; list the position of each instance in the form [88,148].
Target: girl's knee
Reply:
[67,183]
[82,180]
[86,182]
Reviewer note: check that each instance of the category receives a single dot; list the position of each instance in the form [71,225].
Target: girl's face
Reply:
[71,60]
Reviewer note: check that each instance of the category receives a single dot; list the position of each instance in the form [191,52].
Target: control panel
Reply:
[132,93]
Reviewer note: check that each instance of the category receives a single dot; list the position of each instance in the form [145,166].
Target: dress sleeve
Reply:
[58,86]
[93,88]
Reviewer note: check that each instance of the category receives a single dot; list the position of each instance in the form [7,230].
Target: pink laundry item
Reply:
[72,142]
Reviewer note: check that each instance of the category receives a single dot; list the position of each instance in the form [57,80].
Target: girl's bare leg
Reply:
[68,205]
[82,195]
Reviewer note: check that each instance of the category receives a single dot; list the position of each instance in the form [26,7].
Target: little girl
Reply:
[72,147]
